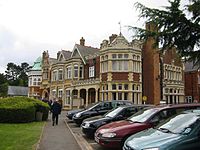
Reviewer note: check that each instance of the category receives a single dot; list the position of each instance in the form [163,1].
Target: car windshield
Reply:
[179,124]
[114,112]
[142,115]
[91,106]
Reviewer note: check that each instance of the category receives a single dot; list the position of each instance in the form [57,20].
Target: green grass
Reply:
[23,136]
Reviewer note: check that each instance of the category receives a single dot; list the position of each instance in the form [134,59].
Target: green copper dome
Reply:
[37,64]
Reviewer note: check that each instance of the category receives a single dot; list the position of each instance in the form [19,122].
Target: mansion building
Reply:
[118,70]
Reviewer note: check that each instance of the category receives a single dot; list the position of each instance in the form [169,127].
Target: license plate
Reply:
[96,139]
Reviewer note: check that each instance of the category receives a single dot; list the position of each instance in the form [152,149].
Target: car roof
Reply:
[136,105]
[165,106]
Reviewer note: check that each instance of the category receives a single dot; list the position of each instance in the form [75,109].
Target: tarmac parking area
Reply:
[86,143]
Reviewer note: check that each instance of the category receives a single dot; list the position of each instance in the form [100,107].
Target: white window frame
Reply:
[69,72]
[60,93]
[91,71]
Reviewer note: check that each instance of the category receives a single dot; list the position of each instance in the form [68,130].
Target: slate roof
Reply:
[67,54]
[17,91]
[52,60]
[86,50]
[189,67]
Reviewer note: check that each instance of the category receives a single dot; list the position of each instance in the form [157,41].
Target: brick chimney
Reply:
[112,37]
[82,41]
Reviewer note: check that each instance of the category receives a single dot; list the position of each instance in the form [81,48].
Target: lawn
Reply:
[23,136]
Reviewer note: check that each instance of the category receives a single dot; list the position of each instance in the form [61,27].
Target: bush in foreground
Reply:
[21,109]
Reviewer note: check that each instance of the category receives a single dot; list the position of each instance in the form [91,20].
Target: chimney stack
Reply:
[82,41]
[112,37]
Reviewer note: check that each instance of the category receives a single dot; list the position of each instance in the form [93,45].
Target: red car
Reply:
[113,135]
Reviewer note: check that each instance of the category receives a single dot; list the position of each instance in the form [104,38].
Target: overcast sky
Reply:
[28,27]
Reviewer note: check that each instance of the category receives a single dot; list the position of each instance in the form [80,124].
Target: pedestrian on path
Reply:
[56,110]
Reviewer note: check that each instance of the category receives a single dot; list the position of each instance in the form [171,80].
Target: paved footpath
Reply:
[57,137]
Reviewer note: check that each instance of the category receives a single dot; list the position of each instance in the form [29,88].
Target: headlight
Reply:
[108,135]
[154,148]
[78,115]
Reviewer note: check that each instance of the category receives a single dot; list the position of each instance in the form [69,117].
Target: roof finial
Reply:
[120,27]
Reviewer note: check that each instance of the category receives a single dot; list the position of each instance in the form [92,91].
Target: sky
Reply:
[29,27]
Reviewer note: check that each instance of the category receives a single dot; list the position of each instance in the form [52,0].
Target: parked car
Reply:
[71,113]
[90,125]
[99,109]
[114,134]
[181,132]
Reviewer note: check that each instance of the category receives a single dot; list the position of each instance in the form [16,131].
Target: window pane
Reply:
[69,72]
[125,55]
[114,65]
[125,96]
[120,87]
[60,74]
[75,71]
[119,96]
[119,55]
[125,65]
[81,72]
[91,71]
[114,56]
[120,65]
[113,86]
[125,86]
[113,96]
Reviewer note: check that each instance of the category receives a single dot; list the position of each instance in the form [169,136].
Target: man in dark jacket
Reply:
[56,110]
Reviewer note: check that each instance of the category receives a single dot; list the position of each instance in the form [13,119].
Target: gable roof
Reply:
[65,54]
[17,91]
[84,51]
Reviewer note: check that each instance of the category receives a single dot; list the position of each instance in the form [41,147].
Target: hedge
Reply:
[21,109]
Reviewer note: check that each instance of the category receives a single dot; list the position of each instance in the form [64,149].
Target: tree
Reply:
[176,27]
[3,85]
[17,75]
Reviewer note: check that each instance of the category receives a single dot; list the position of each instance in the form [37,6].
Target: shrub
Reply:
[21,109]
[12,111]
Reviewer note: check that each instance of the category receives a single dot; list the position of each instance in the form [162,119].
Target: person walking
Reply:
[56,110]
